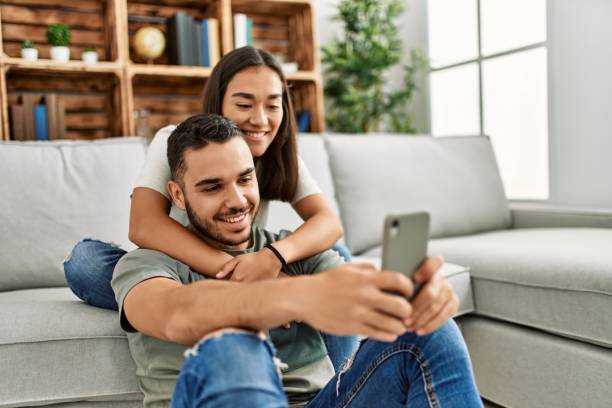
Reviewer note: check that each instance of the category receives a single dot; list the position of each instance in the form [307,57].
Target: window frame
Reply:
[480,58]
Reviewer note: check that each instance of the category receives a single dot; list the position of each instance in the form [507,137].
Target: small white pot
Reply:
[60,54]
[90,57]
[29,54]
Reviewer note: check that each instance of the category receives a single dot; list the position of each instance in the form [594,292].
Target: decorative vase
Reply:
[90,57]
[29,54]
[60,54]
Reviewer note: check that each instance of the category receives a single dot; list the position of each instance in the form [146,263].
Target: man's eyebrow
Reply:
[247,171]
[207,181]
[247,95]
[215,180]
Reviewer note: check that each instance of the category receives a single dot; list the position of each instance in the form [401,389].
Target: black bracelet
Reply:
[279,256]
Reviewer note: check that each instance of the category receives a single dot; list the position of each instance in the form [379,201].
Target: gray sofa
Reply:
[534,282]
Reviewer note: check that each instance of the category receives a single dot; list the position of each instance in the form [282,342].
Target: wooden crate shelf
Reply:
[47,65]
[91,23]
[283,28]
[89,101]
[169,71]
[167,102]
[121,84]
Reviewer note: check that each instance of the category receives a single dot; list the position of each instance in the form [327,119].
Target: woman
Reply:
[248,87]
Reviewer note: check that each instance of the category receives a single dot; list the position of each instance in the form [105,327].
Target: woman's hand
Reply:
[255,266]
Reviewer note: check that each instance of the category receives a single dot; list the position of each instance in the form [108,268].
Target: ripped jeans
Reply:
[89,270]
[427,371]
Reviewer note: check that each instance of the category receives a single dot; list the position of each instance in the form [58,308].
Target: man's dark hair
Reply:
[197,132]
[277,168]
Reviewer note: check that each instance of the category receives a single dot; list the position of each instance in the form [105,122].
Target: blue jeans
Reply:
[89,271]
[428,371]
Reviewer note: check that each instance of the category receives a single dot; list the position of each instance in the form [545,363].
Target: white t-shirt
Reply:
[155,175]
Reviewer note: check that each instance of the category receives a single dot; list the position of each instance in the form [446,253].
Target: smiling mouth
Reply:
[234,219]
[254,135]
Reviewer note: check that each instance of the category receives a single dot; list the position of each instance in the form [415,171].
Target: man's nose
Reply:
[235,197]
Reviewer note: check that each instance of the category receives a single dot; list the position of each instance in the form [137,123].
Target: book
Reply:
[187,40]
[249,31]
[197,32]
[51,102]
[213,41]
[17,121]
[55,115]
[180,39]
[40,122]
[240,30]
[172,40]
[303,121]
[61,118]
[29,101]
[205,44]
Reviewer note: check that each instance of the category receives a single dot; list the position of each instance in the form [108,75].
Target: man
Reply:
[166,307]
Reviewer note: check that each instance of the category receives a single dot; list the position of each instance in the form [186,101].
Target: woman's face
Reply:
[253,100]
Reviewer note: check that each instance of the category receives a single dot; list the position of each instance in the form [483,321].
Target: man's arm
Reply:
[168,310]
[350,299]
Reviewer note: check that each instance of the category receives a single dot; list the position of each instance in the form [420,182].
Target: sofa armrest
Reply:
[531,215]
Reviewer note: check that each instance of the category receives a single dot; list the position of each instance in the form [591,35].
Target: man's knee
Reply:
[448,335]
[443,344]
[231,349]
[245,357]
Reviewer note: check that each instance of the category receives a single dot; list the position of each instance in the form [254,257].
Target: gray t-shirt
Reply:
[158,362]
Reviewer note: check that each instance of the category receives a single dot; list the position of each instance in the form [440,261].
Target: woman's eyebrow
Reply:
[243,95]
[247,95]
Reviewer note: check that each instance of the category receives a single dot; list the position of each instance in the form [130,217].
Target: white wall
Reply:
[580,101]
[413,29]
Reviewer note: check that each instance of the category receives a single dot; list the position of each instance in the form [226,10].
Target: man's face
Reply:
[219,193]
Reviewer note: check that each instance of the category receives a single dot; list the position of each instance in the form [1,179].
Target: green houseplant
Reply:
[29,51]
[58,36]
[356,64]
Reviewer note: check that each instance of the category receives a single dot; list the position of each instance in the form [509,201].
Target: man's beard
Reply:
[207,229]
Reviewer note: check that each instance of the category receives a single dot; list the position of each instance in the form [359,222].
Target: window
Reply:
[489,76]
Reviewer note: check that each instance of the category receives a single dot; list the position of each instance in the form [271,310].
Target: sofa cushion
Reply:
[455,179]
[556,280]
[311,149]
[55,348]
[56,193]
[458,277]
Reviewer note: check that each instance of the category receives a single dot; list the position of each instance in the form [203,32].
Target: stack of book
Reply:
[193,42]
[37,117]
[243,30]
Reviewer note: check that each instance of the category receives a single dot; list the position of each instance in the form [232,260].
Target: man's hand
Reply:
[436,302]
[255,266]
[356,299]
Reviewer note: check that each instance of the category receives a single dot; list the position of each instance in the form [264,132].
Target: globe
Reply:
[149,43]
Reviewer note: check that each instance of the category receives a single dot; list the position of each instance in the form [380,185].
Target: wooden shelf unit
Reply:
[102,99]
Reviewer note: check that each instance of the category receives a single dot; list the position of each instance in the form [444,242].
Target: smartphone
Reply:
[405,239]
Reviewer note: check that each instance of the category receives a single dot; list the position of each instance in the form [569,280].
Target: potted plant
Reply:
[28,51]
[58,36]
[90,55]
[357,65]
